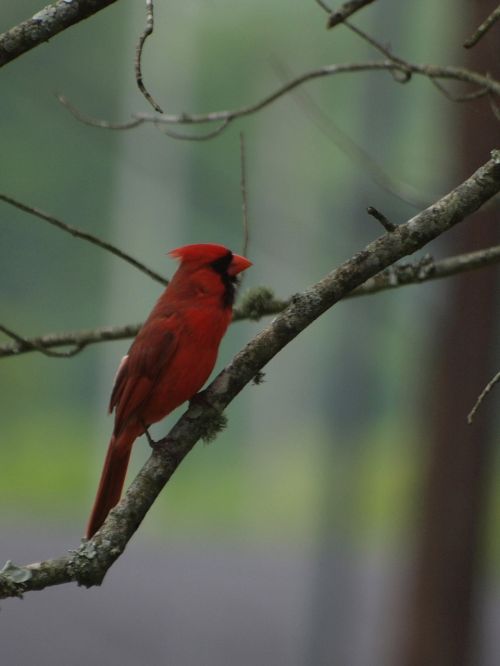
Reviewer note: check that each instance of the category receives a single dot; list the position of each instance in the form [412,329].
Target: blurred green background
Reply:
[330,445]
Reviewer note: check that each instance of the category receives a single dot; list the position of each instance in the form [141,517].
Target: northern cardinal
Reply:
[170,359]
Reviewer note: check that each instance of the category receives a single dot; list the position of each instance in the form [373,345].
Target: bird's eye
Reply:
[222,264]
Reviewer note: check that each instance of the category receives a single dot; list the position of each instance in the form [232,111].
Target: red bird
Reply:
[170,359]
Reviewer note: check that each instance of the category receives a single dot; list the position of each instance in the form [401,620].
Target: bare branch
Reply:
[132,124]
[78,233]
[96,122]
[345,11]
[90,562]
[148,30]
[46,23]
[483,28]
[324,6]
[194,137]
[77,339]
[484,393]
[475,94]
[228,115]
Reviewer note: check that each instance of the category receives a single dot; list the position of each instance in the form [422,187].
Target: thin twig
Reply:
[148,30]
[194,137]
[324,6]
[475,94]
[378,46]
[78,233]
[98,122]
[483,28]
[484,393]
[398,76]
[244,199]
[345,11]
[380,217]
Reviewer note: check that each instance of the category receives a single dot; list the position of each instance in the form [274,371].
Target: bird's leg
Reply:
[151,441]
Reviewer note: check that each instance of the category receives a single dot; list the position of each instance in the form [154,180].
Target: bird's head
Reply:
[212,267]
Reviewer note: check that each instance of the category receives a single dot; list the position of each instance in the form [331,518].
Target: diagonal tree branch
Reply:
[90,562]
[46,23]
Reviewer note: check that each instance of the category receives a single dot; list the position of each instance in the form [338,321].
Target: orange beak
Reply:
[238,264]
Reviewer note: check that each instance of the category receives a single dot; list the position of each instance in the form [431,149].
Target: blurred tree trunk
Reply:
[454,502]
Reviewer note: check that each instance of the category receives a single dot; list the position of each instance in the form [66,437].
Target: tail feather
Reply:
[112,479]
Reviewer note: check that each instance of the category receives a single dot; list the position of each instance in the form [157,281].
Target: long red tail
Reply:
[112,479]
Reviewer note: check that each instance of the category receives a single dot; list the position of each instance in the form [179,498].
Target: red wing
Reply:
[149,355]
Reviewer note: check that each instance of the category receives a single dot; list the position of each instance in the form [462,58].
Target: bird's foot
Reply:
[199,399]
